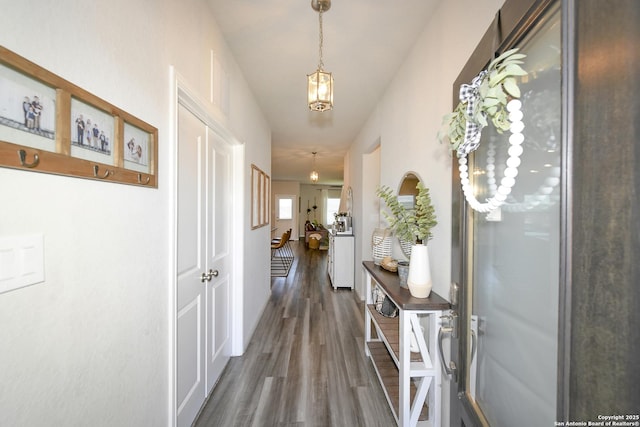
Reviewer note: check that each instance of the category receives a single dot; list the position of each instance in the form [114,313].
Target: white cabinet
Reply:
[340,265]
[412,381]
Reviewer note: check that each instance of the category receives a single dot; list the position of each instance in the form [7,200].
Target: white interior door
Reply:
[203,262]
[218,242]
[191,249]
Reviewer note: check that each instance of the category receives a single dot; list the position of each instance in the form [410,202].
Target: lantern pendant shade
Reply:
[320,90]
[313,176]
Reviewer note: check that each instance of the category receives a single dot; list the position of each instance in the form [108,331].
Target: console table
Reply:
[409,379]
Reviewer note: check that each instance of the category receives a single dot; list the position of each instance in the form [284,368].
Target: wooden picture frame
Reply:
[267,198]
[50,142]
[260,196]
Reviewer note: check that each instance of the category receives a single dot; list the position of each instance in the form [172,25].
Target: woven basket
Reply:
[380,244]
[314,241]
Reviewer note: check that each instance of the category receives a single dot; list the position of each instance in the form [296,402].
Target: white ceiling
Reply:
[275,43]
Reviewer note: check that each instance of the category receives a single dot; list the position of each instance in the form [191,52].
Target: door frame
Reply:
[182,93]
[511,23]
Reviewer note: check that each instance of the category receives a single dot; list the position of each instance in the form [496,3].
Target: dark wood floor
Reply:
[305,365]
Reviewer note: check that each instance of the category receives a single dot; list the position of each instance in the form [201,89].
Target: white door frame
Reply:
[181,93]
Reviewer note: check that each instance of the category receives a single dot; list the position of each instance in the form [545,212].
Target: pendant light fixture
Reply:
[320,82]
[313,176]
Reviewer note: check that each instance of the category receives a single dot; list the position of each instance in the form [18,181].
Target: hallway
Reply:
[305,364]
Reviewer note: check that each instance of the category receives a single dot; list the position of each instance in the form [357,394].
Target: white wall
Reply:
[407,119]
[92,344]
[368,208]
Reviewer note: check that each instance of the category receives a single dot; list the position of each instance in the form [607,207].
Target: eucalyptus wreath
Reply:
[484,99]
[412,225]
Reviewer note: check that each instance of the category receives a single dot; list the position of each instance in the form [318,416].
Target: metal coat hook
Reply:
[140,179]
[95,172]
[23,157]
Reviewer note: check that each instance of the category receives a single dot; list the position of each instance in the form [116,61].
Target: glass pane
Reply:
[285,209]
[92,133]
[27,110]
[137,149]
[514,253]
[333,206]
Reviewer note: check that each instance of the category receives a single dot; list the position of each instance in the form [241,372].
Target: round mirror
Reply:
[407,193]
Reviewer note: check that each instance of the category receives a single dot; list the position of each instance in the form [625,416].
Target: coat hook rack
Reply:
[129,157]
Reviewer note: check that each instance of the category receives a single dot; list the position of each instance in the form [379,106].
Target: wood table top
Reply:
[401,297]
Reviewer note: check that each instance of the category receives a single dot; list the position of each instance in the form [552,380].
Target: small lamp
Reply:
[320,82]
[313,176]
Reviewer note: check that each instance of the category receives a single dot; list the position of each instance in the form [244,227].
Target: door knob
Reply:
[208,276]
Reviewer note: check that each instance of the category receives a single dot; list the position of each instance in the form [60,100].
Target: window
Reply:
[333,205]
[285,208]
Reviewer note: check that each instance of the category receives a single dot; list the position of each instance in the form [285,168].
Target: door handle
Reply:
[206,277]
[474,344]
[450,369]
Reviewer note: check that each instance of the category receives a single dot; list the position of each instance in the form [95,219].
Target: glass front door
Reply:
[511,272]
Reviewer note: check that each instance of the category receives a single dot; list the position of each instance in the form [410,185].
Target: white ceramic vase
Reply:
[419,280]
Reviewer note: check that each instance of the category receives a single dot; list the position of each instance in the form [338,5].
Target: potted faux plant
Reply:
[413,225]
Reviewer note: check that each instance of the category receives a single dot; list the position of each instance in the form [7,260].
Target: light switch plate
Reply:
[21,261]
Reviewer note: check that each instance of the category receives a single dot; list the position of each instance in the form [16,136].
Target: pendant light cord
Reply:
[320,64]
